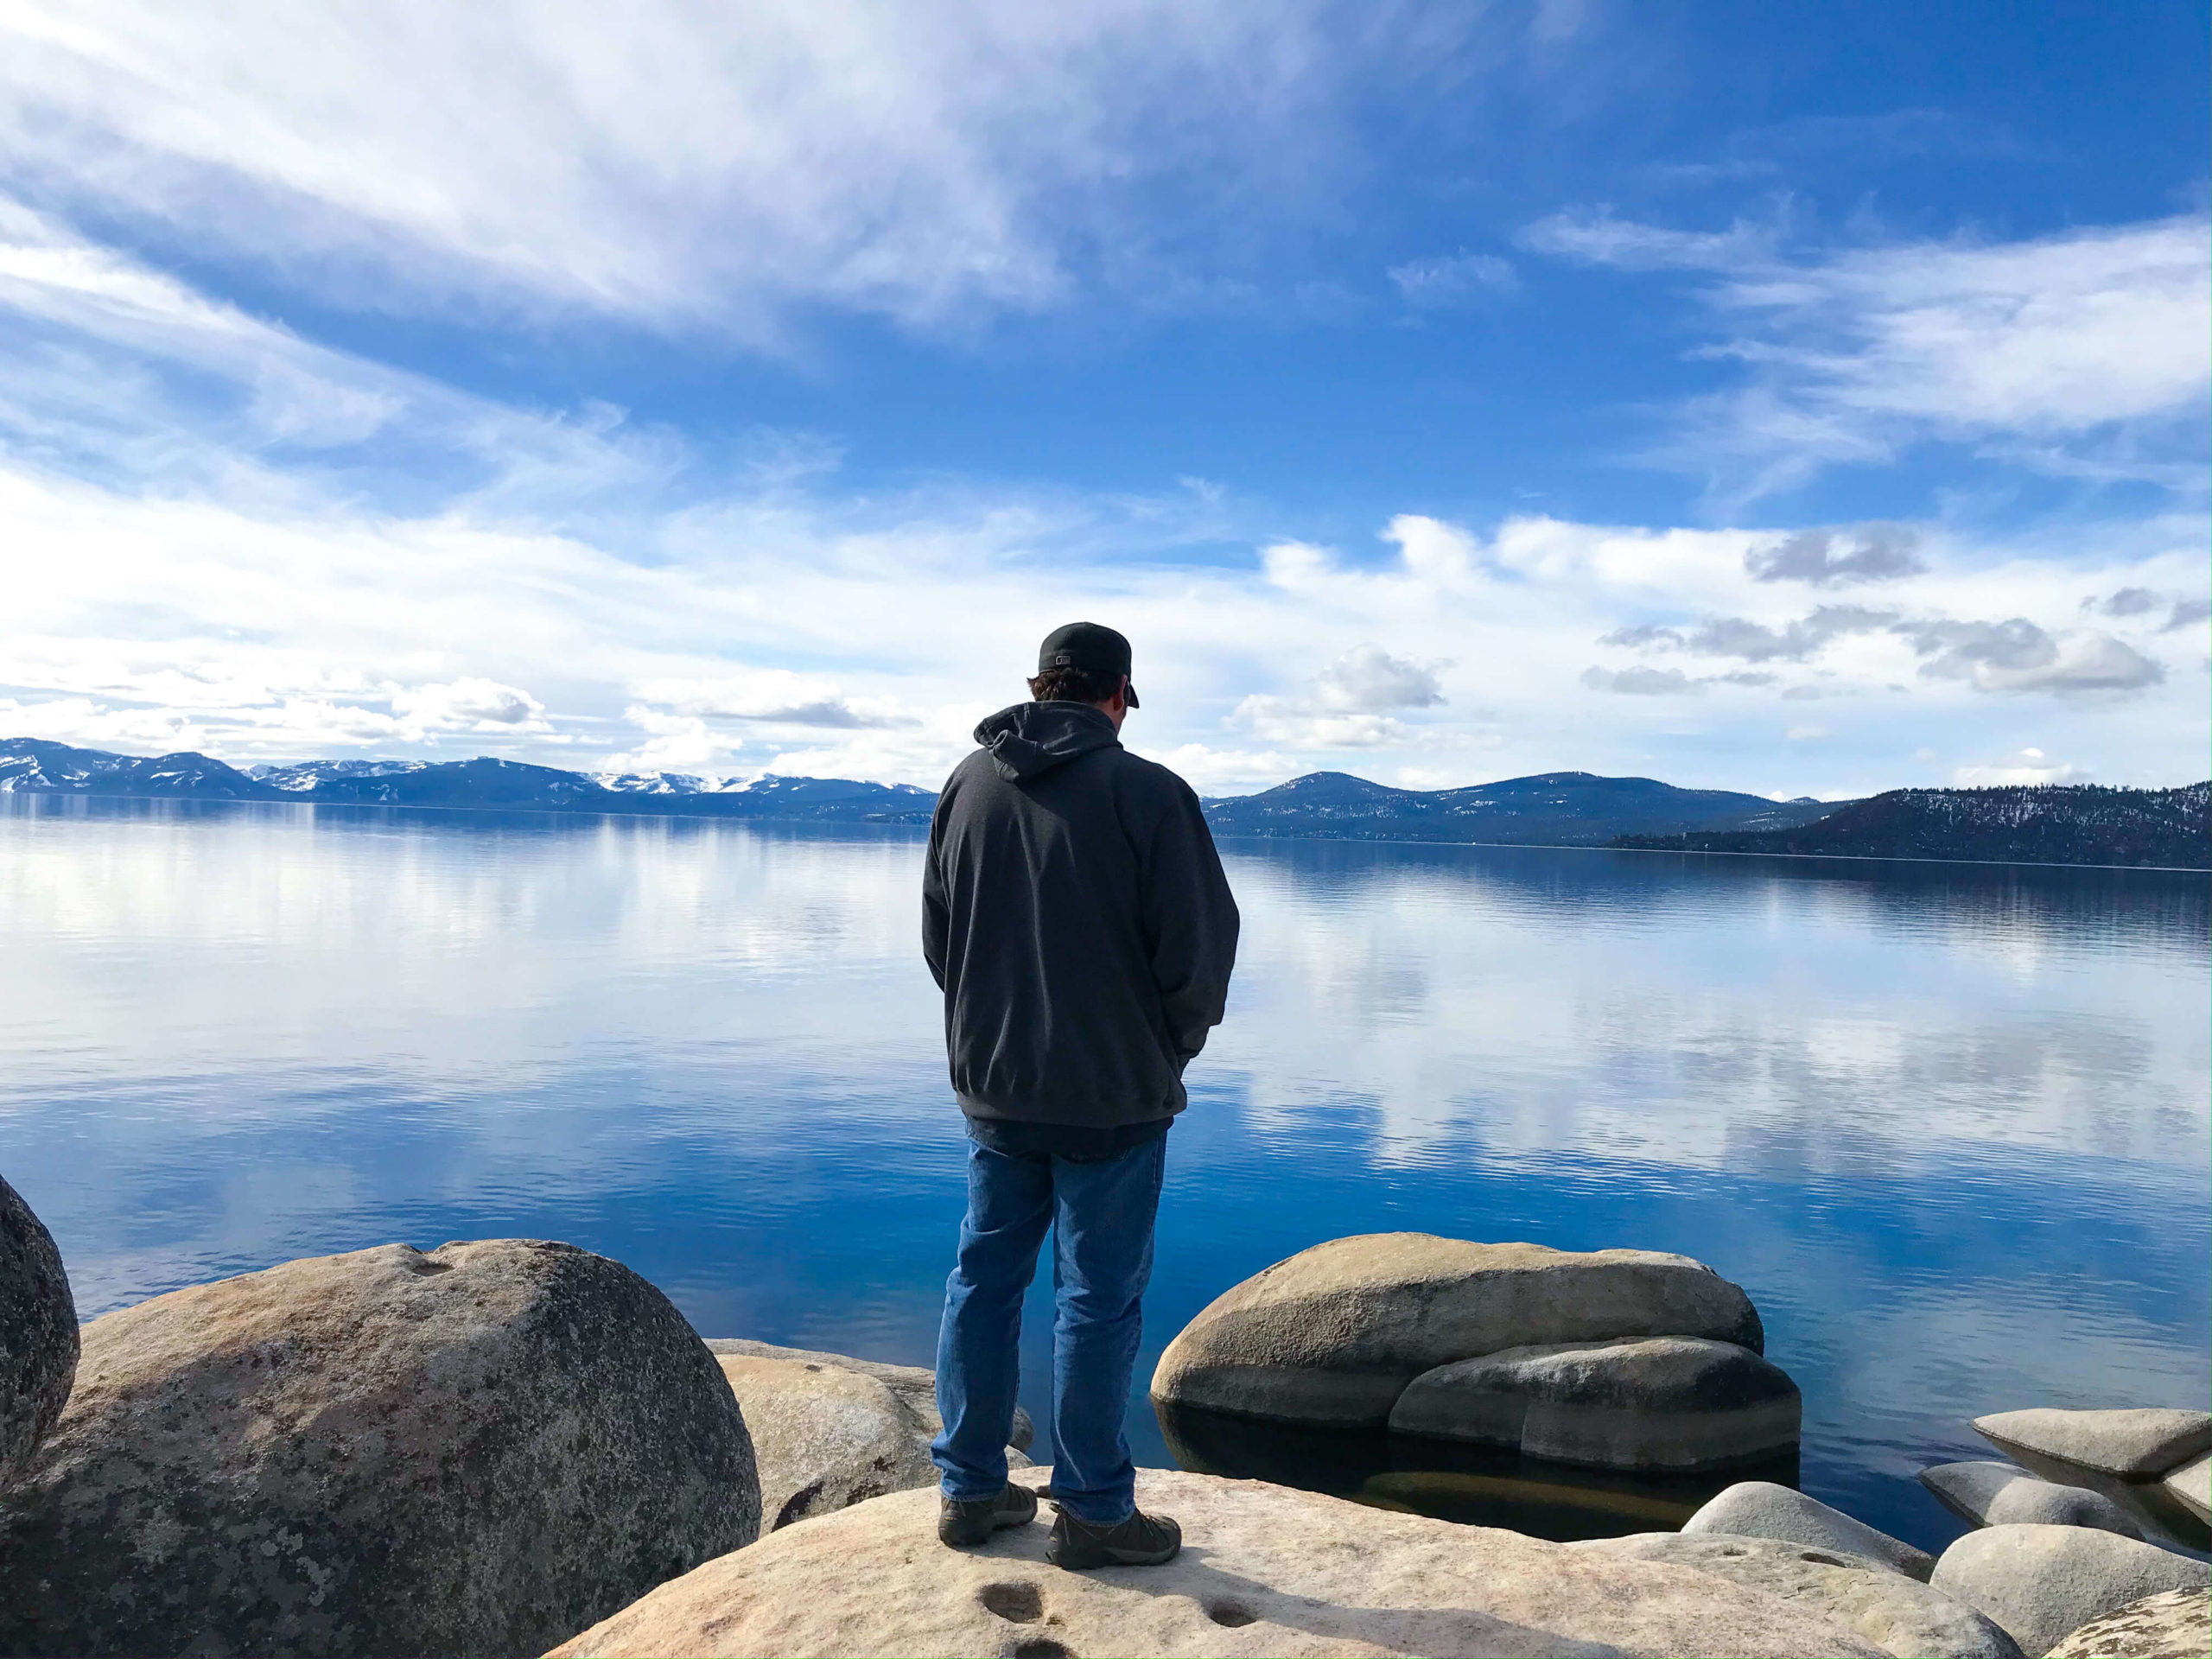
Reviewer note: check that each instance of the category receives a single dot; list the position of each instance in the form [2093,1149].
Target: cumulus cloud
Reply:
[773,696]
[2187,613]
[473,705]
[1367,679]
[1828,558]
[1640,682]
[1759,642]
[2017,655]
[2080,353]
[2128,601]
[2026,766]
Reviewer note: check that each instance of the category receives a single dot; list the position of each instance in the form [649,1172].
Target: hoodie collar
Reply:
[1032,738]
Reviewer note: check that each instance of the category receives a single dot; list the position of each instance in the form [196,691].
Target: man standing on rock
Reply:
[1075,913]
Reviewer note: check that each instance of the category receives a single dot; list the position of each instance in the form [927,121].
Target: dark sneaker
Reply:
[1142,1541]
[964,1521]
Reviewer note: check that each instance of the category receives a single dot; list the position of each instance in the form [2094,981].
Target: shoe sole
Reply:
[1071,1561]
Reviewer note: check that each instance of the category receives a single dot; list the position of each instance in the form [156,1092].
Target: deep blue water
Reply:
[1946,1124]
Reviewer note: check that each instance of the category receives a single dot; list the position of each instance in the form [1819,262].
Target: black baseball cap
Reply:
[1095,649]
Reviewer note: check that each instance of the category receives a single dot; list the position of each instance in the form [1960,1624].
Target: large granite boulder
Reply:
[1649,1402]
[1760,1509]
[2176,1624]
[1265,1570]
[1334,1334]
[825,1436]
[479,1450]
[2134,1445]
[1991,1494]
[38,1333]
[2190,1486]
[915,1385]
[1902,1615]
[2042,1583]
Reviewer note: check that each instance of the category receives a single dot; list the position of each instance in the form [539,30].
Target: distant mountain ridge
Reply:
[2068,824]
[2041,823]
[1558,809]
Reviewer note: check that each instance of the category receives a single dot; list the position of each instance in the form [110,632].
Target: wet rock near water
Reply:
[2190,1486]
[827,1435]
[1652,1402]
[2139,1444]
[1900,1615]
[38,1333]
[1265,1570]
[1335,1335]
[2043,1583]
[476,1450]
[1991,1494]
[2176,1624]
[1758,1508]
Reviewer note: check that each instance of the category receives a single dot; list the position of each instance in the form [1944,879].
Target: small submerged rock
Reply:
[1265,1570]
[1651,1402]
[1902,1615]
[1759,1508]
[2041,1583]
[38,1333]
[475,1450]
[2139,1444]
[1991,1494]
[2175,1624]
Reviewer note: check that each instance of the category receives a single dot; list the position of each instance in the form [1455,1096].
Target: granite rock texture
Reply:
[1335,1333]
[1651,1403]
[2139,1444]
[1899,1614]
[479,1450]
[1992,1494]
[915,1385]
[1264,1570]
[38,1334]
[2190,1486]
[2175,1624]
[1760,1509]
[2043,1583]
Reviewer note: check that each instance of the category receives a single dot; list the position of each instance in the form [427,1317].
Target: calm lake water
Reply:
[1947,1125]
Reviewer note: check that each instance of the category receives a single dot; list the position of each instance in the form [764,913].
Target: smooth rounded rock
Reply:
[915,1385]
[2176,1624]
[1652,1402]
[2190,1486]
[2043,1583]
[1264,1570]
[825,1438]
[2139,1444]
[1898,1614]
[1335,1333]
[1759,1508]
[38,1333]
[476,1451]
[1992,1494]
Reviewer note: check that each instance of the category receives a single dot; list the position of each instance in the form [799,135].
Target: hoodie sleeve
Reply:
[1190,921]
[936,913]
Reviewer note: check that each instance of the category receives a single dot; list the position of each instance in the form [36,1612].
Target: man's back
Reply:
[1076,915]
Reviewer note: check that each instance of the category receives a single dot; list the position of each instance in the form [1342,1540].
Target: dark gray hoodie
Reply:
[1075,913]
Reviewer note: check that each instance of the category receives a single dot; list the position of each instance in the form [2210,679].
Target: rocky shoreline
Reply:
[508,1447]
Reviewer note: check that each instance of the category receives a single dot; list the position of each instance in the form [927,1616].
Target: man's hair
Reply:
[1073,685]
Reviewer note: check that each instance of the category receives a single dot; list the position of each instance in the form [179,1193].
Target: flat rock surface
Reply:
[2043,1583]
[1992,1494]
[915,1385]
[1333,1334]
[38,1333]
[2176,1624]
[2136,1445]
[476,1451]
[1760,1509]
[2191,1487]
[1648,1403]
[1901,1615]
[1264,1570]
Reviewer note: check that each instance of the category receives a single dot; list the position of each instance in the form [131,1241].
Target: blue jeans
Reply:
[1101,1215]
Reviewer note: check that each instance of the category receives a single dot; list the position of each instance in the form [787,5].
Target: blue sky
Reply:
[1803,400]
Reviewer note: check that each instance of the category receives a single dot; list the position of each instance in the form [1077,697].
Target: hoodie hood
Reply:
[1032,738]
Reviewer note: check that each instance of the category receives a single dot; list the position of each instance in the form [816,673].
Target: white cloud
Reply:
[471,705]
[1453,279]
[2027,767]
[774,696]
[1640,681]
[2081,352]
[678,162]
